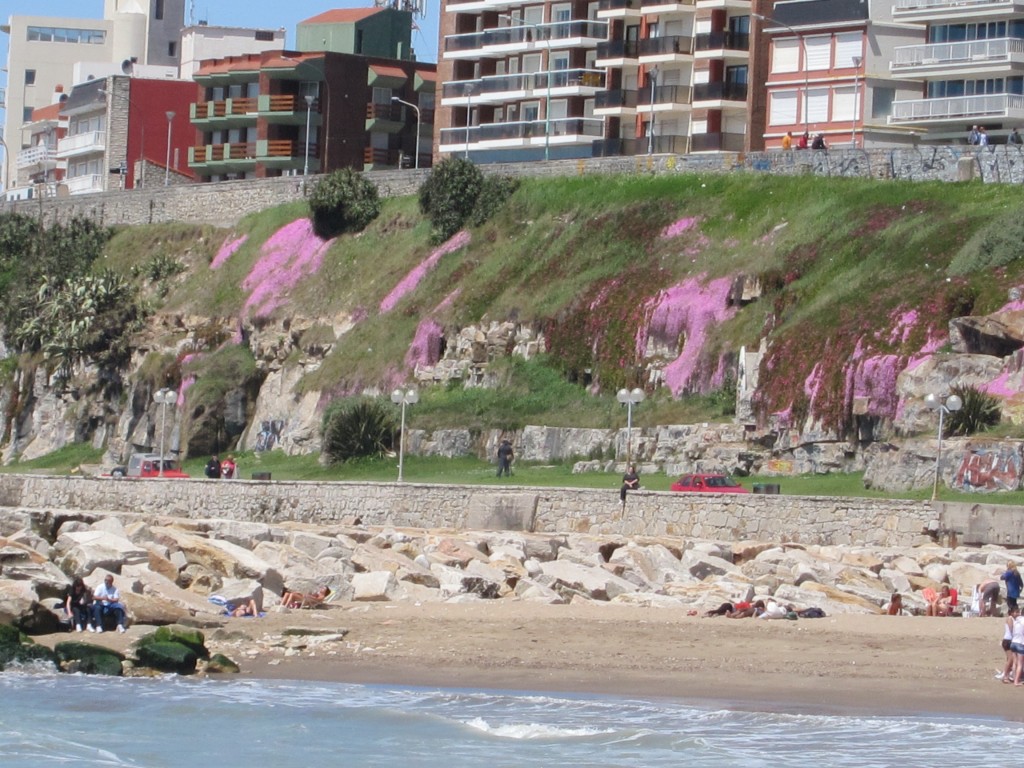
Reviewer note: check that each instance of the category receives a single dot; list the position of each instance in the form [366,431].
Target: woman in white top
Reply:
[1017,646]
[1007,639]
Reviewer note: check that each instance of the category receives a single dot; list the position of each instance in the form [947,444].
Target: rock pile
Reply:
[168,568]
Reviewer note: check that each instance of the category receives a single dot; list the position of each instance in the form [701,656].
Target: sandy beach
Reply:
[843,664]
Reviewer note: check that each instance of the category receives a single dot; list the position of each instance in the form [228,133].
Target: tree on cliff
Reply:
[343,201]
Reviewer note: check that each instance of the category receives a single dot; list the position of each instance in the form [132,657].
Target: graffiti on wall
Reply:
[995,467]
[269,435]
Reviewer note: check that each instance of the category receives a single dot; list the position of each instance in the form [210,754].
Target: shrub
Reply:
[358,427]
[493,194]
[449,196]
[980,411]
[344,201]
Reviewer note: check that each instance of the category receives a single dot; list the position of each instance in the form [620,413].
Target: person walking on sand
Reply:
[1007,676]
[1014,584]
[630,482]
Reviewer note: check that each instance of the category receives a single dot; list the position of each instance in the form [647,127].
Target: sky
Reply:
[233,13]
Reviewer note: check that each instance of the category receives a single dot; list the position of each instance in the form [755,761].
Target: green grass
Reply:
[65,461]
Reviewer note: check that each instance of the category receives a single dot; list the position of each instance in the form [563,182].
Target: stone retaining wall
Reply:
[224,203]
[821,520]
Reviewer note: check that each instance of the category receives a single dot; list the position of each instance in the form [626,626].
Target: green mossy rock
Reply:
[175,633]
[167,657]
[222,664]
[10,635]
[16,648]
[88,659]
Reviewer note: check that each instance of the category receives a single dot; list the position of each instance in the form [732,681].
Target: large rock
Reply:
[596,583]
[80,552]
[373,586]
[367,558]
[221,557]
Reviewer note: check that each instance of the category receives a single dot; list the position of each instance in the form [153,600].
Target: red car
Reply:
[148,465]
[708,484]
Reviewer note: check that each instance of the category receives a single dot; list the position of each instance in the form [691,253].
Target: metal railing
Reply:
[620,98]
[522,34]
[618,49]
[720,92]
[524,81]
[950,53]
[524,129]
[717,142]
[730,41]
[655,46]
[665,94]
[967,107]
[923,5]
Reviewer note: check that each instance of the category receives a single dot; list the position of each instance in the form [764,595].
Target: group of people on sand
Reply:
[89,608]
[763,609]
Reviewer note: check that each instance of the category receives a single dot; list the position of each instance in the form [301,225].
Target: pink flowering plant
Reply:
[292,253]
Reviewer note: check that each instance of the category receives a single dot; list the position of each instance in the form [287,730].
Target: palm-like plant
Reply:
[979,411]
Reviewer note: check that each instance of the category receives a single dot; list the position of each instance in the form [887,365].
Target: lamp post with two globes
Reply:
[163,398]
[952,403]
[403,397]
[629,398]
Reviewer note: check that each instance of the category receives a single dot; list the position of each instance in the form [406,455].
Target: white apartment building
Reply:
[201,42]
[44,50]
[971,66]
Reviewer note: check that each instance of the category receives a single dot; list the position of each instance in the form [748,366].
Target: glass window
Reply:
[30,77]
[158,10]
[881,101]
[65,35]
[783,108]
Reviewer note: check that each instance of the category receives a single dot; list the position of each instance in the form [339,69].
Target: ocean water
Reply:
[53,720]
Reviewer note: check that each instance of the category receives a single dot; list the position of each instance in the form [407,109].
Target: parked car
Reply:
[708,484]
[148,465]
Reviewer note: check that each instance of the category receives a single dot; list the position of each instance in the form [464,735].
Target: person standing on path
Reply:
[1014,584]
[630,482]
[505,456]
[213,468]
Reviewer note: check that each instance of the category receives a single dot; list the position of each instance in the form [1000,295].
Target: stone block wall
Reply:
[224,203]
[809,520]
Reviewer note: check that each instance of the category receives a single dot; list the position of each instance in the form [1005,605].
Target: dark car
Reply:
[708,484]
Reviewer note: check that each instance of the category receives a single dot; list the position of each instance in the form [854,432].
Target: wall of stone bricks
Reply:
[810,520]
[224,203]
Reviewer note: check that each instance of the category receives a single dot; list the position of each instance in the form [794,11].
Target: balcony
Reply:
[617,53]
[220,158]
[616,147]
[717,142]
[667,98]
[739,6]
[37,158]
[618,9]
[82,144]
[958,109]
[664,145]
[380,158]
[720,95]
[524,133]
[617,102]
[723,45]
[964,59]
[954,10]
[227,113]
[385,118]
[501,41]
[497,89]
[286,109]
[477,6]
[666,7]
[83,185]
[655,50]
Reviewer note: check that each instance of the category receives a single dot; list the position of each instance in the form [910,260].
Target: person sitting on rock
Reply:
[78,604]
[107,602]
[303,600]
[246,609]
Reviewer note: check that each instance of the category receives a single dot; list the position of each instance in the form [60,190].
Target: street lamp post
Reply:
[416,162]
[653,74]
[547,96]
[309,114]
[803,46]
[857,61]
[163,398]
[953,403]
[137,183]
[629,398]
[403,397]
[167,163]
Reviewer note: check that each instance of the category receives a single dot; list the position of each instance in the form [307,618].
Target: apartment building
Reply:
[126,133]
[201,42]
[970,67]
[38,162]
[43,52]
[829,71]
[351,96]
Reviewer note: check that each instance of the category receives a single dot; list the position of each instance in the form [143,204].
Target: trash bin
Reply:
[767,488]
[260,475]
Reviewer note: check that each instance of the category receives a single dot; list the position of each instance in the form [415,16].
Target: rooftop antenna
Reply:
[418,8]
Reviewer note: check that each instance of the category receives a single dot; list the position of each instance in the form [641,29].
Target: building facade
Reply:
[202,42]
[43,52]
[970,67]
[828,72]
[122,130]
[38,162]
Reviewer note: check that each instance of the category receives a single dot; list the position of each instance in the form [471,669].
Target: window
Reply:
[848,45]
[817,105]
[819,52]
[844,104]
[265,36]
[158,10]
[881,101]
[172,49]
[30,77]
[64,35]
[786,55]
[783,108]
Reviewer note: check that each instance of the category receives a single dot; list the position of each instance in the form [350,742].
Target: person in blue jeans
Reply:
[106,601]
[1014,584]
